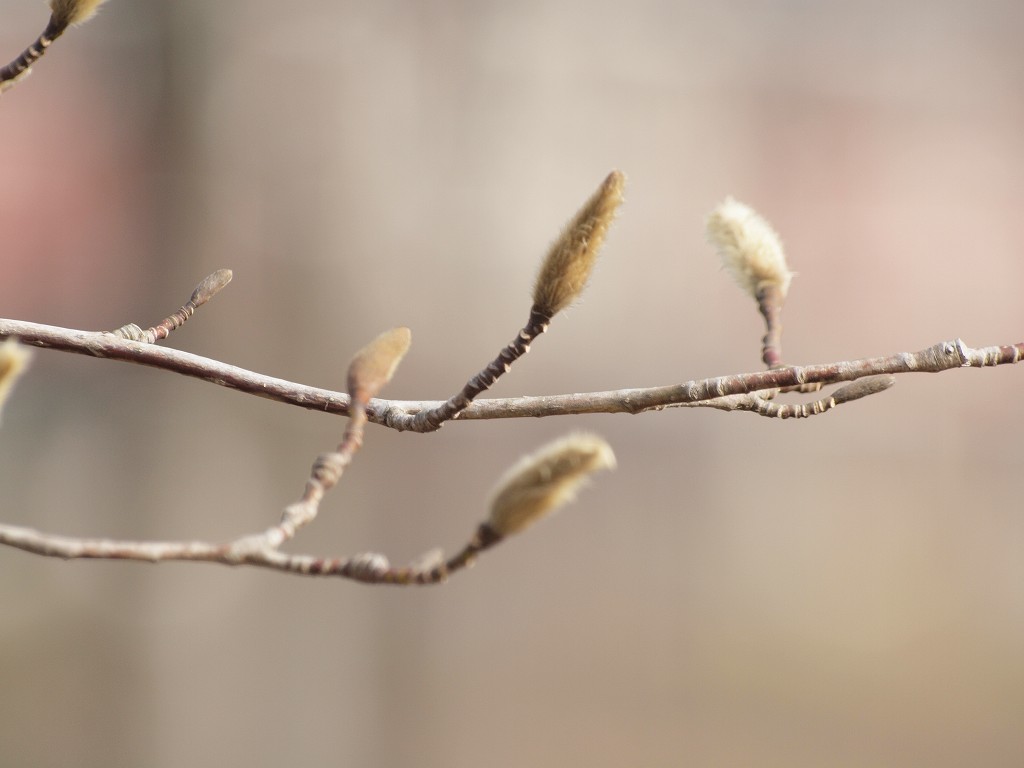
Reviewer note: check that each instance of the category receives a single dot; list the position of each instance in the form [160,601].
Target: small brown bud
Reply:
[375,364]
[862,388]
[539,483]
[563,276]
[749,248]
[210,287]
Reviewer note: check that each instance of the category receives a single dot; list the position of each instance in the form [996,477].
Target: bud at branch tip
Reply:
[749,248]
[375,364]
[565,270]
[545,480]
[210,286]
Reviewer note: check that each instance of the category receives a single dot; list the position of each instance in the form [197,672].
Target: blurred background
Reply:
[844,591]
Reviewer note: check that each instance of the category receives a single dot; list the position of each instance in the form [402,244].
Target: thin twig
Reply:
[430,419]
[371,568]
[210,286]
[21,67]
[762,403]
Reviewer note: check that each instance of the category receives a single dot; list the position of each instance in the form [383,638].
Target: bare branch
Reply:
[366,567]
[944,356]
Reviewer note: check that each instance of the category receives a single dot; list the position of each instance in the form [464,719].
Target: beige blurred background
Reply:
[845,591]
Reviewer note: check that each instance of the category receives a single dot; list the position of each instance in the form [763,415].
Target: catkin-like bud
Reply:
[71,12]
[749,248]
[563,276]
[14,359]
[375,364]
[539,483]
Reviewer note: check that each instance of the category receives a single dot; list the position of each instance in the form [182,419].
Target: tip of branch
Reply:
[565,271]
[749,248]
[545,480]
[375,364]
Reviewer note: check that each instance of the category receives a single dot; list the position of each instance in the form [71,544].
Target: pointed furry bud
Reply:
[375,364]
[14,359]
[749,248]
[563,276]
[71,12]
[539,483]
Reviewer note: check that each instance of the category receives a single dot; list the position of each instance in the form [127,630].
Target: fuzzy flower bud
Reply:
[563,276]
[71,12]
[543,481]
[749,248]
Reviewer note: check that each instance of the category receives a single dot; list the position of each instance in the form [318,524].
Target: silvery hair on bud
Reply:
[539,483]
[71,12]
[749,248]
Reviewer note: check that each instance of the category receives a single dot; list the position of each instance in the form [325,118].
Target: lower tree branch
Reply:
[369,567]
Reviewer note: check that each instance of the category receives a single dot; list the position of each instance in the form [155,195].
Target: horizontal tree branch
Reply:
[943,356]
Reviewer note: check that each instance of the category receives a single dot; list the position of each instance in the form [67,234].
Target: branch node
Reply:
[370,567]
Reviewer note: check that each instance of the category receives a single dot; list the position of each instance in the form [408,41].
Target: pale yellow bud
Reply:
[563,276]
[749,248]
[14,359]
[543,481]
[375,364]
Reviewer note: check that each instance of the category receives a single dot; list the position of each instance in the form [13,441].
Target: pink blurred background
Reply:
[847,590]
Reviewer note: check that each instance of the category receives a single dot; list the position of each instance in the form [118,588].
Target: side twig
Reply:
[206,290]
[562,278]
